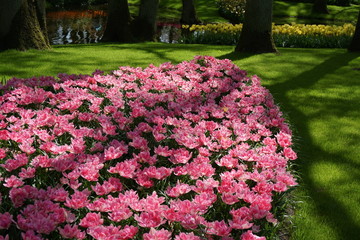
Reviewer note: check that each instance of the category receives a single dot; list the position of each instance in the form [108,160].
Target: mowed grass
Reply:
[283,12]
[287,12]
[317,89]
[170,10]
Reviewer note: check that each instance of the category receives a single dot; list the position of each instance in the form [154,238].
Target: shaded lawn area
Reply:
[170,10]
[283,12]
[318,89]
[287,12]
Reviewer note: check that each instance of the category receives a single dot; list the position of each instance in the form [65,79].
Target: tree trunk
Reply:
[188,15]
[118,22]
[256,35]
[355,43]
[145,23]
[23,25]
[320,6]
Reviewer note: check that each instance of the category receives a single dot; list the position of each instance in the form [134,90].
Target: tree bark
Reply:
[256,35]
[355,43]
[188,14]
[23,25]
[145,24]
[118,22]
[320,6]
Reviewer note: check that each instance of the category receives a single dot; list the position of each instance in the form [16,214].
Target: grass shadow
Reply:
[322,107]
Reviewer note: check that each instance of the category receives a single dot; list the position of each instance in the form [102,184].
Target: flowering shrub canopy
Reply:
[189,151]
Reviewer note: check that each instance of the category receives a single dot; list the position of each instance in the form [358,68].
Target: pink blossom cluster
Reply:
[193,151]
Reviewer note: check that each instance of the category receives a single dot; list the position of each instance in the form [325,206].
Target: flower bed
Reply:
[295,35]
[196,150]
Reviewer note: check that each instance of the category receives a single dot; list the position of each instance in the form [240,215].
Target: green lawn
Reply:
[170,10]
[318,89]
[287,12]
[283,12]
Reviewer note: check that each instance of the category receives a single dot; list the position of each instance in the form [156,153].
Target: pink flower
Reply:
[116,150]
[13,182]
[284,139]
[27,173]
[250,236]
[18,196]
[180,155]
[42,217]
[120,214]
[58,195]
[90,170]
[18,161]
[78,199]
[179,189]
[161,234]
[112,185]
[149,219]
[241,218]
[187,236]
[30,235]
[71,232]
[4,238]
[126,168]
[103,232]
[157,173]
[289,153]
[218,228]
[128,232]
[5,220]
[91,220]
[2,153]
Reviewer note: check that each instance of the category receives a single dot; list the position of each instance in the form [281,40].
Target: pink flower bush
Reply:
[196,150]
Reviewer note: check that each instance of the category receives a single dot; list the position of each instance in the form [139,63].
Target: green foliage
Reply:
[232,10]
[329,2]
[304,41]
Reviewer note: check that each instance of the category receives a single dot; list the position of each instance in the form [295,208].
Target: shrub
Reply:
[232,10]
[296,35]
[192,151]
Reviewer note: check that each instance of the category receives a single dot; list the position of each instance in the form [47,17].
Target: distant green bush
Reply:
[232,10]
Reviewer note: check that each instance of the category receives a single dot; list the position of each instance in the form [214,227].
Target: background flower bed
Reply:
[295,35]
[196,150]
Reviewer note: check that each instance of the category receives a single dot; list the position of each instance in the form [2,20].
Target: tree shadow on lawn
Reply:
[323,108]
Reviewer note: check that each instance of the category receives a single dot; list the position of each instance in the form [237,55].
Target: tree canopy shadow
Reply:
[326,107]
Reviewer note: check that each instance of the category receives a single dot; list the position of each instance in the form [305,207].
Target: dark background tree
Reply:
[144,27]
[23,25]
[118,26]
[256,35]
[355,43]
[188,14]
[320,6]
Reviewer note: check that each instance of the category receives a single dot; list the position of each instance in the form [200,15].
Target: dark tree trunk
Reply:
[145,23]
[118,22]
[23,25]
[188,15]
[320,6]
[355,43]
[256,35]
